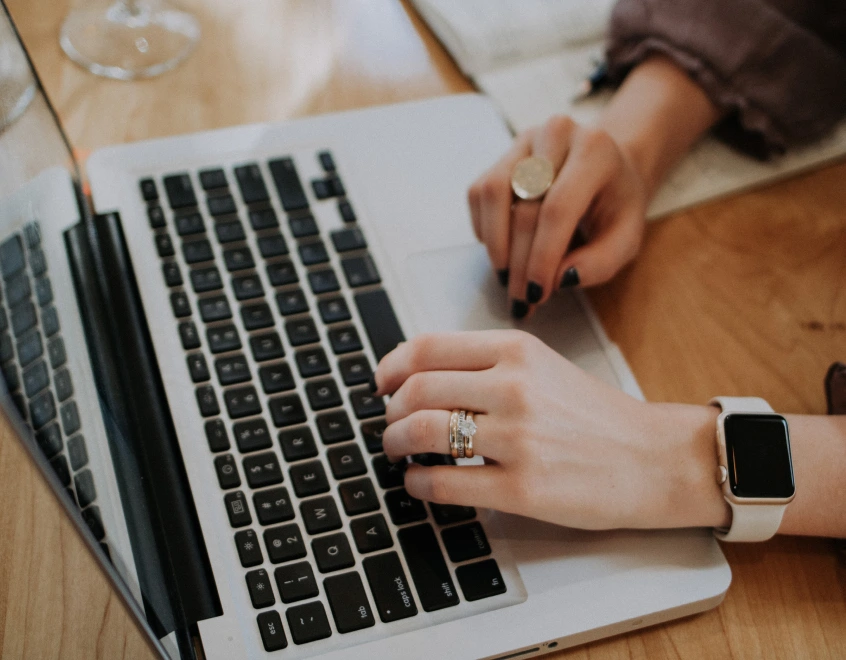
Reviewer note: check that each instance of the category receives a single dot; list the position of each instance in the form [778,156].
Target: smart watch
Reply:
[755,468]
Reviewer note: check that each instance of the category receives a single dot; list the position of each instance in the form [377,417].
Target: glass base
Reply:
[130,39]
[17,86]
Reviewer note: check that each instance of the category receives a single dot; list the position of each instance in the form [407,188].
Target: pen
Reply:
[593,83]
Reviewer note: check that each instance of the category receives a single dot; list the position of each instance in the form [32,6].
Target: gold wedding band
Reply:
[532,177]
[462,428]
[453,434]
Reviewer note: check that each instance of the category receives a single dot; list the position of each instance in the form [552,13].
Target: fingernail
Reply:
[534,292]
[373,385]
[571,278]
[503,276]
[519,309]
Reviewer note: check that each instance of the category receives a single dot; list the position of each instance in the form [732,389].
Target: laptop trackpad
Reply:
[456,289]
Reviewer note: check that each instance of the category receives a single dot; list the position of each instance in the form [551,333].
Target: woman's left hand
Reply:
[559,445]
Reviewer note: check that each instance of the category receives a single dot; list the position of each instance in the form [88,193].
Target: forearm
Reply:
[656,116]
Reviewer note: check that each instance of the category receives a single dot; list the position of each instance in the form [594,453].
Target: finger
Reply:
[442,390]
[523,220]
[427,432]
[454,351]
[465,485]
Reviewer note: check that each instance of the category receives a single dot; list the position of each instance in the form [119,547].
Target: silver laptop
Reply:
[186,353]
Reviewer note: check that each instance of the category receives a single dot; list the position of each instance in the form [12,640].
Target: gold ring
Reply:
[453,433]
[532,177]
[468,433]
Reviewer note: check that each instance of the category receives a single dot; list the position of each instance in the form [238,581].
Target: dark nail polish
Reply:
[519,309]
[373,385]
[534,292]
[503,276]
[571,278]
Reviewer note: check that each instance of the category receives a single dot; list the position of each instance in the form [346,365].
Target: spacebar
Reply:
[380,322]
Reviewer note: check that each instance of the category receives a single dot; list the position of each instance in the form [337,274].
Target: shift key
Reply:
[428,568]
[390,587]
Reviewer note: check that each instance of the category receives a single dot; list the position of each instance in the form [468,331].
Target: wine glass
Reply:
[130,38]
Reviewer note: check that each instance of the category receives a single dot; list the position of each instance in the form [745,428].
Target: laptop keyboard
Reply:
[263,307]
[35,367]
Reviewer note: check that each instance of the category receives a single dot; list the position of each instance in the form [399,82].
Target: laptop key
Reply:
[263,219]
[231,370]
[10,373]
[389,475]
[227,472]
[207,401]
[221,205]
[332,553]
[30,348]
[229,232]
[451,513]
[321,188]
[288,185]
[272,246]
[358,496]
[371,533]
[92,518]
[480,580]
[313,253]
[303,226]
[273,506]
[345,210]
[77,453]
[466,542]
[238,259]
[336,186]
[348,602]
[49,439]
[308,622]
[320,515]
[296,582]
[389,587]
[224,338]
[276,378]
[216,435]
[258,584]
[323,281]
[251,183]
[83,482]
[148,190]
[23,318]
[214,178]
[348,239]
[247,286]
[43,291]
[344,339]
[262,470]
[17,289]
[326,161]
[164,246]
[70,418]
[37,262]
[188,335]
[346,461]
[365,404]
[11,256]
[249,549]
[334,310]
[215,308]
[355,370]
[50,321]
[180,192]
[428,568]
[42,409]
[60,467]
[171,273]
[252,435]
[206,279]
[242,402]
[282,273]
[257,316]
[380,322]
[309,478]
[360,271]
[180,305]
[271,631]
[291,302]
[284,543]
[7,349]
[197,251]
[287,410]
[334,427]
[404,508]
[312,362]
[323,394]
[237,509]
[156,217]
[297,444]
[189,224]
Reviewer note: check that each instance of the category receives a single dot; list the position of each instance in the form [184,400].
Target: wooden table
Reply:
[742,296]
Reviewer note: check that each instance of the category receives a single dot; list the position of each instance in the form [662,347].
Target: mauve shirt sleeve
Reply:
[779,76]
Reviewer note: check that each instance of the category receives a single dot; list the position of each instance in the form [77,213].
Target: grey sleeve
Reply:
[778,76]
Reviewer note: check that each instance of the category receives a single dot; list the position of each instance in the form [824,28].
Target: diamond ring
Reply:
[461,431]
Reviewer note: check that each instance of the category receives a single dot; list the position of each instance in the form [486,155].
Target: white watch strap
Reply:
[749,522]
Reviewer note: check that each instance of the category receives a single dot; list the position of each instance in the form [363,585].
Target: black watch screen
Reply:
[758,453]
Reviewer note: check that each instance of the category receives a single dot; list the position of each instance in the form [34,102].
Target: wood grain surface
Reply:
[744,296]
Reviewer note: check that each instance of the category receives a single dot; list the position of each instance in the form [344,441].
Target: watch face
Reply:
[758,453]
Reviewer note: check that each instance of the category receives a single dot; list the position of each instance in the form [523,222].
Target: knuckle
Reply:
[524,217]
[413,391]
[420,428]
[596,139]
[418,348]
[439,487]
[560,126]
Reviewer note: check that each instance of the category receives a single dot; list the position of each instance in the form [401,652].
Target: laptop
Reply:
[186,352]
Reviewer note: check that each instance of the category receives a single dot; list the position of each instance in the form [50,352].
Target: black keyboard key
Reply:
[188,335]
[249,549]
[238,259]
[332,552]
[189,224]
[346,461]
[388,474]
[214,178]
[284,543]
[207,401]
[297,444]
[480,580]
[262,470]
[271,631]
[349,239]
[180,192]
[10,374]
[303,226]
[42,409]
[466,542]
[229,231]
[360,271]
[231,370]
[237,509]
[215,308]
[50,321]
[451,513]
[43,291]
[296,582]
[358,496]
[23,318]
[355,370]
[257,316]
[276,378]
[308,622]
[334,427]
[346,211]
[430,459]
[320,515]
[77,453]
[344,339]
[380,322]
[404,508]
[247,287]
[227,472]
[30,348]
[197,251]
[180,305]
[242,402]
[263,219]
[321,188]
[216,435]
[252,435]
[334,310]
[313,253]
[251,183]
[261,593]
[273,506]
[148,190]
[156,217]
[83,482]
[288,185]
[7,349]
[389,587]
[371,533]
[60,467]
[171,273]
[70,418]
[291,302]
[365,404]
[206,279]
[326,161]
[49,439]
[37,262]
[4,320]
[348,602]
[336,186]
[223,339]
[323,394]
[92,518]
[282,273]
[309,478]
[221,205]
[428,568]
[11,256]
[287,410]
[312,362]
[323,281]
[272,246]
[17,289]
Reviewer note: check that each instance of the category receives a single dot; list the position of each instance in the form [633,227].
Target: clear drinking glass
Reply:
[130,38]
[17,85]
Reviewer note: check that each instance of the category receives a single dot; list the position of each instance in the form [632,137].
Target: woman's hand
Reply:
[597,189]
[559,444]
